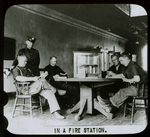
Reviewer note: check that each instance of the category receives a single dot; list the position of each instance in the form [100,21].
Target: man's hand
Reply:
[133,80]
[127,80]
[110,73]
[120,76]
[108,76]
[43,75]
[6,72]
[63,74]
[11,68]
[56,76]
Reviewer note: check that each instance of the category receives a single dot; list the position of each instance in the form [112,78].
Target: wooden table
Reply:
[86,99]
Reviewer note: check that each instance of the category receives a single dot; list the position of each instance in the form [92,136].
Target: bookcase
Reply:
[87,64]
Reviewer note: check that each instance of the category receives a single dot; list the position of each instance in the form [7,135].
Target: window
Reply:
[144,58]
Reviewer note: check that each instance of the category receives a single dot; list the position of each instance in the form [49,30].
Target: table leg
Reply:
[85,101]
[81,111]
[98,107]
[80,105]
[76,107]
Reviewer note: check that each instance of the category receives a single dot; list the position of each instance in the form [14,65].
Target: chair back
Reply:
[142,90]
[22,88]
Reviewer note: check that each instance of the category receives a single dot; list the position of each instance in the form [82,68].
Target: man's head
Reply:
[30,42]
[22,60]
[53,60]
[125,58]
[115,59]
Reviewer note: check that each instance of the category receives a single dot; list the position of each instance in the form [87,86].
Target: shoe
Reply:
[58,116]
[110,116]
[105,106]
[103,101]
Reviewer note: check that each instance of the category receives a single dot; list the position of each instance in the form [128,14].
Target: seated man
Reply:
[39,85]
[132,74]
[117,68]
[54,72]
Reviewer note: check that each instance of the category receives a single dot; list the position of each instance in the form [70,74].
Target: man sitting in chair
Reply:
[54,72]
[39,84]
[133,74]
[107,91]
[116,68]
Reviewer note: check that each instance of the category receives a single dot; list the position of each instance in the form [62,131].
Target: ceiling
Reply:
[107,17]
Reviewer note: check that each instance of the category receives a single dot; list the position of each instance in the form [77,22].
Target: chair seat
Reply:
[140,97]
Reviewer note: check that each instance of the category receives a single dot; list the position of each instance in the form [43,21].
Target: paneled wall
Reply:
[53,38]
[131,46]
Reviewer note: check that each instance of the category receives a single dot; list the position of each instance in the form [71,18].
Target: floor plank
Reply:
[44,123]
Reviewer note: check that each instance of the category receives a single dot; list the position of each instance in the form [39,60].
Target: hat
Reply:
[31,39]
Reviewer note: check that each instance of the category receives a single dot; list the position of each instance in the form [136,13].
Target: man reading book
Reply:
[54,72]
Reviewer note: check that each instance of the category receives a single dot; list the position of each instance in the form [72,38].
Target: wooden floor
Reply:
[46,124]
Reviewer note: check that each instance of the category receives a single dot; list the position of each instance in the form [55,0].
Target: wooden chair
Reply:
[132,105]
[19,88]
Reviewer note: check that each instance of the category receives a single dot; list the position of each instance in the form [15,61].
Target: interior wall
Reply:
[53,38]
[131,46]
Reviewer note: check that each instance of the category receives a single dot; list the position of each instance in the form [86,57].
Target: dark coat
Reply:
[53,70]
[120,70]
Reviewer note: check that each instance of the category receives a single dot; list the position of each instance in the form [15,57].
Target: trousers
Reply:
[104,91]
[43,88]
[118,99]
[51,98]
[72,91]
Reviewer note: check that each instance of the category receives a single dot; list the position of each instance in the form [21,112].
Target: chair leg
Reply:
[14,107]
[125,107]
[30,106]
[132,112]
[41,104]
[145,104]
[24,104]
[146,108]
